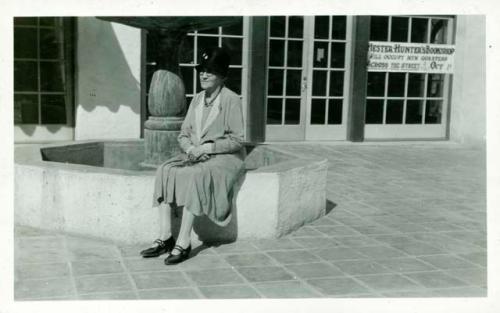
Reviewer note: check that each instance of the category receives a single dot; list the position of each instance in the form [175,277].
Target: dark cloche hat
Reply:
[214,60]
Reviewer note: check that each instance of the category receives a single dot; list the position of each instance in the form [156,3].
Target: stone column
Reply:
[166,101]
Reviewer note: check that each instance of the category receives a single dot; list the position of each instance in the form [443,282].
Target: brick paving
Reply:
[404,220]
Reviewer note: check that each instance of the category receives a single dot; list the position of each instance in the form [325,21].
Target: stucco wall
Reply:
[468,106]
[108,80]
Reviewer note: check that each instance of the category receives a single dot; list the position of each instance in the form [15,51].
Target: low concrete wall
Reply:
[280,195]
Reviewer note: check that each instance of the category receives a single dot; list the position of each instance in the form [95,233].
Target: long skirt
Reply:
[202,188]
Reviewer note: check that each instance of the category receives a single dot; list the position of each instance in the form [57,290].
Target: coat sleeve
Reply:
[232,141]
[184,137]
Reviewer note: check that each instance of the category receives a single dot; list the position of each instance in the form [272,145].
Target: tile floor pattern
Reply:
[405,220]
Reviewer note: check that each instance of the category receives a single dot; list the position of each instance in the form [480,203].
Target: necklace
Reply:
[208,103]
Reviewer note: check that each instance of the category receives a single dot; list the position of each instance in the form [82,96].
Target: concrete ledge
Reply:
[279,193]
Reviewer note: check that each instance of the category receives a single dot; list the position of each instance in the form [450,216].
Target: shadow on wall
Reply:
[106,75]
[29,129]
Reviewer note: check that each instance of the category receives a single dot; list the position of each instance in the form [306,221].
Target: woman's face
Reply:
[210,81]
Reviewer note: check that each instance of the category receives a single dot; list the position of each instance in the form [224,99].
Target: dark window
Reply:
[374,111]
[42,70]
[321,27]
[394,113]
[274,110]
[318,110]
[379,28]
[295,26]
[335,111]
[339,27]
[399,29]
[292,111]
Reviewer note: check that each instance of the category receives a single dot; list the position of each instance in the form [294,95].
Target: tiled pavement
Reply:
[404,220]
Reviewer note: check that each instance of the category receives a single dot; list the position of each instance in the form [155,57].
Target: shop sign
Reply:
[410,57]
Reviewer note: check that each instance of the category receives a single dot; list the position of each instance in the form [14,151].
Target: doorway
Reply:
[308,77]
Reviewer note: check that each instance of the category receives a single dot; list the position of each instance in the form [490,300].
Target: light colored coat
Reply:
[206,187]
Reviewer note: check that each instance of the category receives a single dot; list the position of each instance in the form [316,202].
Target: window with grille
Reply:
[230,37]
[406,97]
[43,87]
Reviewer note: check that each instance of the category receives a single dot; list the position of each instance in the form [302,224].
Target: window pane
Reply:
[150,69]
[213,30]
[275,82]
[293,79]
[439,29]
[233,81]
[188,102]
[274,110]
[53,109]
[51,45]
[187,78]
[321,27]
[376,84]
[234,45]
[416,84]
[294,53]
[207,42]
[396,86]
[374,111]
[318,111]
[433,111]
[151,48]
[336,83]
[47,21]
[320,54]
[414,111]
[319,83]
[236,29]
[335,111]
[379,27]
[25,21]
[295,26]
[399,29]
[51,76]
[25,76]
[338,55]
[25,109]
[338,27]
[186,53]
[292,111]
[419,30]
[394,114]
[277,28]
[276,53]
[198,86]
[435,85]
[25,43]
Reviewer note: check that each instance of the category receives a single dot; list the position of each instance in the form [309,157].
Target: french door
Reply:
[308,75]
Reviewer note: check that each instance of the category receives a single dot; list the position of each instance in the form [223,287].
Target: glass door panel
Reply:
[286,76]
[308,65]
[328,70]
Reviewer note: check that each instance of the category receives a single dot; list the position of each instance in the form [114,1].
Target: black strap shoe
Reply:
[178,258]
[160,247]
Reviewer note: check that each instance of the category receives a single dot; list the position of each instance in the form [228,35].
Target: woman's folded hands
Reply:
[201,152]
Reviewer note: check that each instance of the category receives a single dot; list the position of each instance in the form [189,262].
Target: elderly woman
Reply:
[201,179]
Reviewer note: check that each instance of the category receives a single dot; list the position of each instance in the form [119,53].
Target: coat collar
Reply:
[214,111]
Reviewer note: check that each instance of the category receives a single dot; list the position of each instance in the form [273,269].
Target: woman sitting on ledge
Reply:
[201,179]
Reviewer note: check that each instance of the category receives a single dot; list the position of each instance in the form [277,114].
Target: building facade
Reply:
[301,78]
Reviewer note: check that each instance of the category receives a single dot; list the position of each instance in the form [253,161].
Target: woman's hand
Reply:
[200,153]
